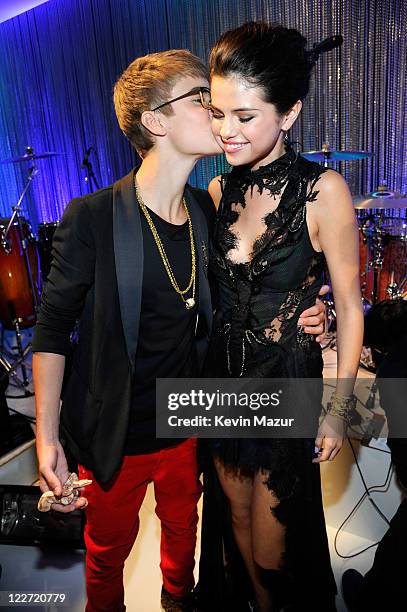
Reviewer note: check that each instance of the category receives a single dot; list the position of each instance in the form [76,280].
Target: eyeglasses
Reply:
[204,94]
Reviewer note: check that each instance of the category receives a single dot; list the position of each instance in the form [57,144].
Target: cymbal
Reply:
[379,199]
[330,155]
[29,157]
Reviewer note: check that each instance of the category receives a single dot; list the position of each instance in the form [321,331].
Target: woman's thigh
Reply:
[238,489]
[268,534]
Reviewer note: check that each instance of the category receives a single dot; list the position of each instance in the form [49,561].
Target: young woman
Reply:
[280,218]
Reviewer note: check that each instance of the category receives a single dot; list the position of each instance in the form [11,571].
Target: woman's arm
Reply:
[338,239]
[337,235]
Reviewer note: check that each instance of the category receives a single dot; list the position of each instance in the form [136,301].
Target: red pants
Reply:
[113,523]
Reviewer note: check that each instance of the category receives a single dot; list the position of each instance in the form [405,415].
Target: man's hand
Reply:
[313,319]
[48,373]
[54,473]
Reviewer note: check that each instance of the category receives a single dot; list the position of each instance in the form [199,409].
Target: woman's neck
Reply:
[277,151]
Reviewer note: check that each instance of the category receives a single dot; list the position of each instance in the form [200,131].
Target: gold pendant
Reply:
[189,303]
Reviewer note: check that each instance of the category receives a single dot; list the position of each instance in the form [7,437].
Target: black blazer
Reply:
[96,276]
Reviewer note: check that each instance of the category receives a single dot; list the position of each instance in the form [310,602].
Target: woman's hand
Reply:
[330,438]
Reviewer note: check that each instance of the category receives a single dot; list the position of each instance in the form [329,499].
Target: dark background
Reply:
[59,61]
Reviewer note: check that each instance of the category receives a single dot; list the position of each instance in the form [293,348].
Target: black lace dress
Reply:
[256,335]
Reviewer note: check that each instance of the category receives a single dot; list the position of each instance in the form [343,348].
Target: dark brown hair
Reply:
[265,55]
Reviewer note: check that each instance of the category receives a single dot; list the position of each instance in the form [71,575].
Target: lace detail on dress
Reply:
[284,176]
[289,308]
[261,300]
[271,177]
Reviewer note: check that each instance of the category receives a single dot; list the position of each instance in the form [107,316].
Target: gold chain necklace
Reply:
[189,302]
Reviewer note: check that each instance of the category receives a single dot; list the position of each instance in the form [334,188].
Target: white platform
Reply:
[26,568]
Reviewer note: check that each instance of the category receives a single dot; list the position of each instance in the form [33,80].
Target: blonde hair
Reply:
[148,82]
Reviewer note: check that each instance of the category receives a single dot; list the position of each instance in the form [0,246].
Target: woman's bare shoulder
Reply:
[333,195]
[215,190]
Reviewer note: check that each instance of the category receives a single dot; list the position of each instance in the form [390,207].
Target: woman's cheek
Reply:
[215,126]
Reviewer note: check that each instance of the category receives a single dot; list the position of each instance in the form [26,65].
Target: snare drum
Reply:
[17,303]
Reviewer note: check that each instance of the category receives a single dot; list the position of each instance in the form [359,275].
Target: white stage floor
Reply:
[26,568]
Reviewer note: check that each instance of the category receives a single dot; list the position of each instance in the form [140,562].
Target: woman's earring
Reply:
[286,139]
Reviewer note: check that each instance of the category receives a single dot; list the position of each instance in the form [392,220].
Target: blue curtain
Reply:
[59,61]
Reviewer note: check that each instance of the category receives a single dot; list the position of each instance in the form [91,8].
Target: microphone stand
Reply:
[90,178]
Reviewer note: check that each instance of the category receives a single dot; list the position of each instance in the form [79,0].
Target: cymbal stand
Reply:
[365,227]
[22,352]
[32,172]
[377,262]
[330,323]
[330,316]
[327,154]
[10,368]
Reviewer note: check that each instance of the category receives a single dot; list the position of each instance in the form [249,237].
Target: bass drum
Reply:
[17,302]
[391,275]
[46,233]
[386,238]
[394,269]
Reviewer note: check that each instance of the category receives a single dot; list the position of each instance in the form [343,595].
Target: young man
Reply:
[130,263]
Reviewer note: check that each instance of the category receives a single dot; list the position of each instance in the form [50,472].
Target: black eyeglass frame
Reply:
[193,92]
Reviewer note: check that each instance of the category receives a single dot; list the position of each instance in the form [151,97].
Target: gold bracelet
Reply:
[341,406]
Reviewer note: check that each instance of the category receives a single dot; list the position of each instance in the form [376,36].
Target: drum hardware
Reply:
[366,359]
[393,291]
[383,250]
[11,367]
[90,175]
[376,262]
[30,156]
[382,199]
[382,245]
[383,255]
[328,156]
[329,325]
[19,272]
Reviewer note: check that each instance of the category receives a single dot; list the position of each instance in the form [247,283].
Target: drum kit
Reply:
[25,260]
[382,234]
[382,221]
[24,265]
[382,246]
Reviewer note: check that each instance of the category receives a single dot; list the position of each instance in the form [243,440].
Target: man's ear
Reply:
[151,121]
[291,116]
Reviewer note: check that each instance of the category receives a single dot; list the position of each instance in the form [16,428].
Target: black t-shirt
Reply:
[166,347]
